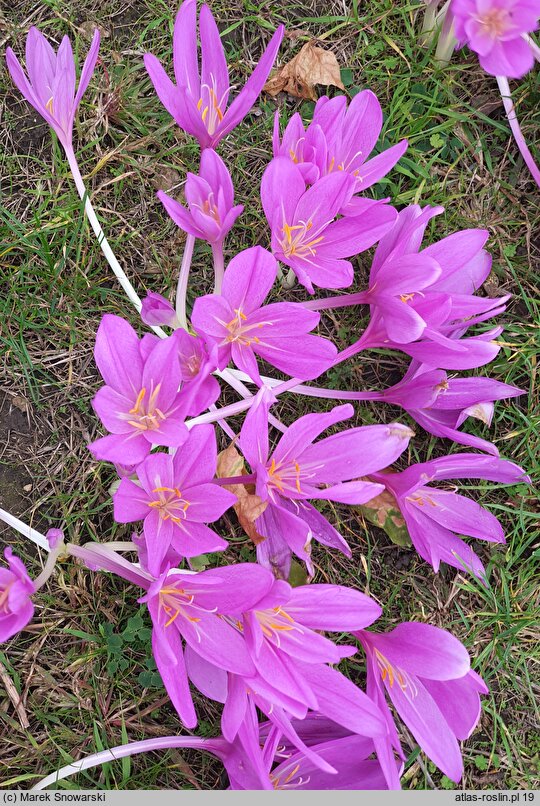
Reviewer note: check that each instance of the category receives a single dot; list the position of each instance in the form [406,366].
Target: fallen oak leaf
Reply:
[311,66]
[249,506]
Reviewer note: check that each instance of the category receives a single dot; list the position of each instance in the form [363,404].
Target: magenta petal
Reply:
[354,234]
[344,703]
[208,678]
[282,187]
[186,68]
[195,461]
[218,642]
[248,279]
[172,669]
[428,726]
[332,607]
[423,650]
[181,217]
[211,314]
[251,89]
[208,501]
[459,703]
[235,707]
[374,169]
[356,452]
[117,355]
[464,516]
[88,67]
[111,408]
[214,72]
[130,502]
[193,539]
[128,449]
[158,534]
[299,436]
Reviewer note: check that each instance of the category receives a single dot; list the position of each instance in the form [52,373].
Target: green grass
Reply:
[84,685]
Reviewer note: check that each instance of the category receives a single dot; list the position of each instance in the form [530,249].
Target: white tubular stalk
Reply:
[102,240]
[36,537]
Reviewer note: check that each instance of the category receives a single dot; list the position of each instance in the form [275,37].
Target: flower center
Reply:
[393,674]
[4,598]
[145,415]
[176,601]
[497,21]
[288,781]
[297,241]
[210,106]
[241,331]
[170,504]
[275,621]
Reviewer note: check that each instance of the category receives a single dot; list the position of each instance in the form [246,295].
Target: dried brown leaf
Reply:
[248,506]
[383,511]
[311,66]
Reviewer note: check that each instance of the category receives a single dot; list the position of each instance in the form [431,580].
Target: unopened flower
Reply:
[156,310]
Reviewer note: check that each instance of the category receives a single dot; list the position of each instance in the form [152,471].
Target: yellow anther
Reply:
[49,105]
[170,621]
[140,398]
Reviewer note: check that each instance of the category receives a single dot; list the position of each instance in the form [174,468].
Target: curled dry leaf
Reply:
[383,511]
[299,77]
[248,506]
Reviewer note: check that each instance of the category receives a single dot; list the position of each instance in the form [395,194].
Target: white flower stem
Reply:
[181,289]
[123,751]
[36,537]
[290,279]
[219,266]
[533,46]
[102,240]
[506,96]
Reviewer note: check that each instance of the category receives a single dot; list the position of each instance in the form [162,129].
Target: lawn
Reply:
[83,666]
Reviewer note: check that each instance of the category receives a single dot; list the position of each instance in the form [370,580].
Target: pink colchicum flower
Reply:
[339,138]
[197,364]
[210,197]
[435,517]
[494,30]
[16,588]
[176,498]
[305,234]
[191,606]
[140,404]
[156,310]
[300,469]
[242,327]
[50,85]
[441,404]
[199,100]
[426,673]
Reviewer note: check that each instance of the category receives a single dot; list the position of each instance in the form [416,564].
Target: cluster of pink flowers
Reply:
[238,633]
